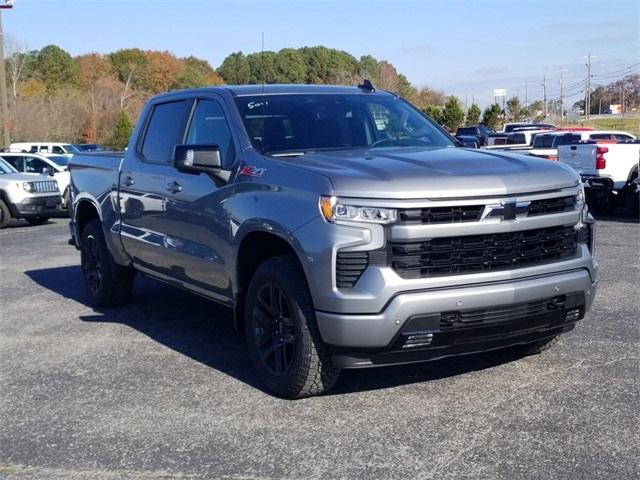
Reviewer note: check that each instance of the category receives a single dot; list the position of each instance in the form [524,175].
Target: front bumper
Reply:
[380,332]
[37,206]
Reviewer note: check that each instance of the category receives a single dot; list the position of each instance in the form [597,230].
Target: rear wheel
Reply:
[5,214]
[282,334]
[107,283]
[37,220]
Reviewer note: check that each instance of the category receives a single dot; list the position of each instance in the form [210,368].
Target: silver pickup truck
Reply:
[344,228]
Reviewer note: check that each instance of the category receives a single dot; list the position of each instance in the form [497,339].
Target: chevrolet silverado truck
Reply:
[342,226]
[608,170]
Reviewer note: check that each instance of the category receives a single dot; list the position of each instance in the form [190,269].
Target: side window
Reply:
[34,165]
[57,149]
[601,136]
[209,126]
[164,131]
[621,137]
[16,162]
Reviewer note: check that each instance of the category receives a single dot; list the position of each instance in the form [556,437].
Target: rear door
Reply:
[143,187]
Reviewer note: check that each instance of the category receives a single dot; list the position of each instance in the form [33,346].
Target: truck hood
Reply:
[430,173]
[25,177]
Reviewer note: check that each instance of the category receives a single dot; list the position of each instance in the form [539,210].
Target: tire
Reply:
[632,197]
[66,198]
[534,348]
[107,283]
[5,214]
[37,220]
[282,334]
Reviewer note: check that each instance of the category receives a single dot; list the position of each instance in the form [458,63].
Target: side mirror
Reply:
[47,171]
[197,158]
[467,143]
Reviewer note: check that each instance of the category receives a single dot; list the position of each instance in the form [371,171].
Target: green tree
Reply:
[290,66]
[56,68]
[132,68]
[492,116]
[452,113]
[515,111]
[122,131]
[262,67]
[235,69]
[473,114]
[536,110]
[435,112]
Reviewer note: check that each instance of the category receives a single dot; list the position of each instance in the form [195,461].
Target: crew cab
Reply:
[546,145]
[341,226]
[33,198]
[609,170]
[36,164]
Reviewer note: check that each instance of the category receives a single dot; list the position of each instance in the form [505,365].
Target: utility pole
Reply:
[561,97]
[4,108]
[587,102]
[544,101]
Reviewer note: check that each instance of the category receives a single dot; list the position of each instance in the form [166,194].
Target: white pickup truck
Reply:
[609,171]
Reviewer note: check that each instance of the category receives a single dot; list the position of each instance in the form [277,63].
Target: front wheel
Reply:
[282,334]
[107,283]
[5,214]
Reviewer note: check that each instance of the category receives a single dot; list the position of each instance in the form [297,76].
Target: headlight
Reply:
[28,187]
[335,210]
[580,198]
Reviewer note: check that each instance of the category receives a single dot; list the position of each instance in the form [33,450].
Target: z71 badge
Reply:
[252,171]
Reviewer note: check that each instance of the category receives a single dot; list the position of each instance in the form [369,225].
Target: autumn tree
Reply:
[473,114]
[452,113]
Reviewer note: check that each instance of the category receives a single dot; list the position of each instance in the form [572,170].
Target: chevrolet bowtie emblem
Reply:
[508,210]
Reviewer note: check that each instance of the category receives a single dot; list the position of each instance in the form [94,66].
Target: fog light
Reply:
[573,314]
[418,340]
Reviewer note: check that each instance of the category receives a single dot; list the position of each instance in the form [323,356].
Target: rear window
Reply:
[516,139]
[543,141]
[567,140]
[467,131]
[164,131]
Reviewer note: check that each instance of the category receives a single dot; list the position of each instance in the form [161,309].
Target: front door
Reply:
[196,222]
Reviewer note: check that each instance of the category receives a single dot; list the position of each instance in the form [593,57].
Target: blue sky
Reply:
[463,48]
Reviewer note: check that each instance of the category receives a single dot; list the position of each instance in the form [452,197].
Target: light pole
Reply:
[3,83]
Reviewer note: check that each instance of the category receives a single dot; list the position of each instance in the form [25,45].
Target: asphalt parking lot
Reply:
[163,388]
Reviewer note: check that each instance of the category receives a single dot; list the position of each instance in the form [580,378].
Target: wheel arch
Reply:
[254,248]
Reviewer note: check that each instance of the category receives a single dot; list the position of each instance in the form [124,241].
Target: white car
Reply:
[34,198]
[35,164]
[44,147]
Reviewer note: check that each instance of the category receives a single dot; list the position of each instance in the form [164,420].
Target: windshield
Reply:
[5,168]
[60,160]
[310,122]
[69,148]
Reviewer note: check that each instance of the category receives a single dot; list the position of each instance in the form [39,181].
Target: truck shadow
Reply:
[203,331]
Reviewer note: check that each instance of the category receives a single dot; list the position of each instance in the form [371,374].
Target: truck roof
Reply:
[280,89]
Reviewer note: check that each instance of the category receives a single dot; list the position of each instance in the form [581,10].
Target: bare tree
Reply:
[18,58]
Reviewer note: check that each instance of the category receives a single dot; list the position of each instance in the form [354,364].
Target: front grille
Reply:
[422,216]
[473,213]
[349,267]
[548,206]
[481,253]
[45,186]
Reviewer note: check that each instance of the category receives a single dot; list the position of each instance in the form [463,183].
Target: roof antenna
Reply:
[367,86]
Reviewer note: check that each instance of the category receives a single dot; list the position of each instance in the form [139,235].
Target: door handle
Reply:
[174,187]
[128,181]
